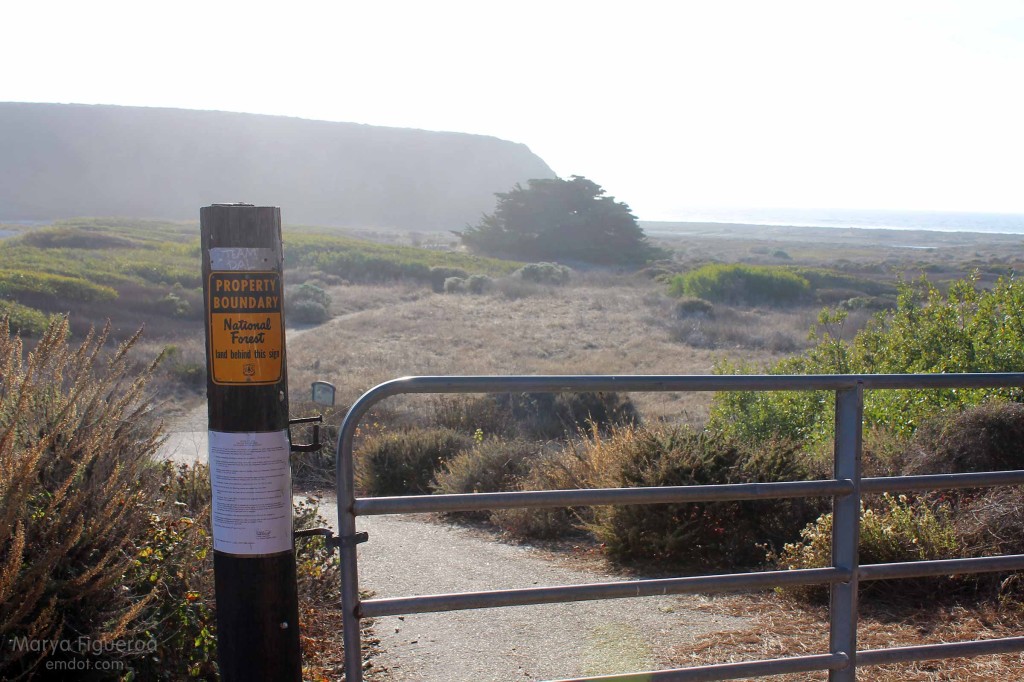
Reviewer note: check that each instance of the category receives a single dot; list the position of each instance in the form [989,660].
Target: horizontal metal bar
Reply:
[412,504]
[372,608]
[927,652]
[730,671]
[920,569]
[901,484]
[693,382]
[954,380]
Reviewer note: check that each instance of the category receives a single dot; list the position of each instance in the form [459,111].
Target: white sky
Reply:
[668,105]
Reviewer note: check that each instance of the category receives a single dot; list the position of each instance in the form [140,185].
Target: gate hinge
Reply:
[307,447]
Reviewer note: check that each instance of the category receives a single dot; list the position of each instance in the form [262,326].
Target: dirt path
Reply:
[409,555]
[187,439]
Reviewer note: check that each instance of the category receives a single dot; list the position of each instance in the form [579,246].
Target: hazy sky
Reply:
[668,105]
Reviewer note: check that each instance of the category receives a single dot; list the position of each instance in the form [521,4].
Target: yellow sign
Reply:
[246,330]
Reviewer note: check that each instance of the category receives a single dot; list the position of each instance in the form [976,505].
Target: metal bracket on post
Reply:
[307,447]
[353,540]
[333,541]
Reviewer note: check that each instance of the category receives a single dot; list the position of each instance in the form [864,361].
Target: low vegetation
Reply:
[777,436]
[491,465]
[564,220]
[742,284]
[404,463]
[65,479]
[780,285]
[75,439]
[967,329]
[307,304]
[712,535]
[99,542]
[544,273]
[896,529]
[23,319]
[360,261]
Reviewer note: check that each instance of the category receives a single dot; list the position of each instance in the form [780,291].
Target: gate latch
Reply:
[307,447]
[333,541]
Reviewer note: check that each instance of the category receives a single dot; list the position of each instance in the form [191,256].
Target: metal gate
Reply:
[845,489]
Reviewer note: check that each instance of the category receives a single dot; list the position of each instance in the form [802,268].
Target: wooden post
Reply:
[247,394]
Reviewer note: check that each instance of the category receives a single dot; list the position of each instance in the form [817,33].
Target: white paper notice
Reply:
[252,492]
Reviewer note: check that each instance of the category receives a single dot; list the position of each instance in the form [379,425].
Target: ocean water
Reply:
[1004,223]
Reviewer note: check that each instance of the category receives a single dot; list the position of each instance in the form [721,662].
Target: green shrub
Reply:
[23,319]
[454,285]
[741,284]
[491,465]
[900,529]
[692,307]
[173,305]
[478,284]
[405,462]
[310,292]
[308,304]
[18,283]
[710,535]
[308,312]
[544,273]
[440,274]
[965,330]
[174,560]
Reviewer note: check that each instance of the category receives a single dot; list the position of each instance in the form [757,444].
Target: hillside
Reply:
[65,160]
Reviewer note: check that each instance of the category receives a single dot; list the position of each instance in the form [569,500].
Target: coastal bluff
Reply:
[66,160]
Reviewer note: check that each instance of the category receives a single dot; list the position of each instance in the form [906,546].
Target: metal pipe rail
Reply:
[846,489]
[418,504]
[730,582]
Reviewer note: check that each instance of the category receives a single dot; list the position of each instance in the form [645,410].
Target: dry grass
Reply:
[323,655]
[780,628]
[613,326]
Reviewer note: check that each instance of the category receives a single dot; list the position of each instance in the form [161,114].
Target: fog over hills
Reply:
[64,160]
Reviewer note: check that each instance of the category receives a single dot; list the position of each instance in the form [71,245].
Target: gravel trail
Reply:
[187,439]
[413,555]
[409,555]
